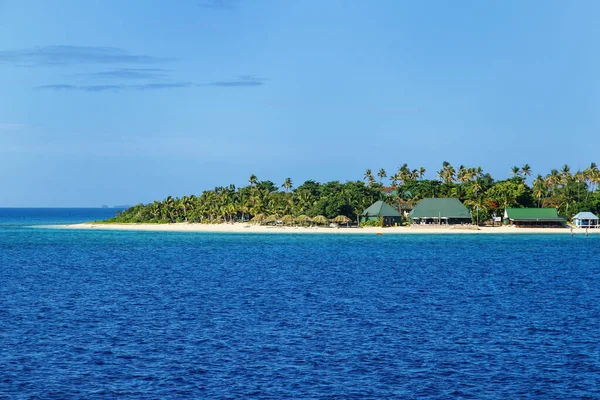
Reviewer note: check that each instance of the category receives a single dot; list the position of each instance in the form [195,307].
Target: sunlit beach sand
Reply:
[252,228]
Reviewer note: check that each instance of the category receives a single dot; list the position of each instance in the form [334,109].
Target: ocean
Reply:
[162,315]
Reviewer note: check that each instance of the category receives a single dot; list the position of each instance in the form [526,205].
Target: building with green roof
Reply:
[533,217]
[380,209]
[440,211]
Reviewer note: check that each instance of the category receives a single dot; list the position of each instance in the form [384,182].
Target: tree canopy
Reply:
[263,200]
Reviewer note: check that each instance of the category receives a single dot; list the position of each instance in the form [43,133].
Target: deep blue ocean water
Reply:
[143,315]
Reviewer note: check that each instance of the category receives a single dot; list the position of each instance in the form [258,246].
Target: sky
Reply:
[120,102]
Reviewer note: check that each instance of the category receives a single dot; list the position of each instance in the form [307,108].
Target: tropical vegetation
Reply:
[314,203]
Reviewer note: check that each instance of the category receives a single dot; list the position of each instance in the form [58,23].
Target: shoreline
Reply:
[251,228]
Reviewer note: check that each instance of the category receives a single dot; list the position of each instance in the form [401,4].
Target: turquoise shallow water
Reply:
[143,315]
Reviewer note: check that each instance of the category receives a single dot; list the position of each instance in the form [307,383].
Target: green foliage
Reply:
[371,223]
[569,193]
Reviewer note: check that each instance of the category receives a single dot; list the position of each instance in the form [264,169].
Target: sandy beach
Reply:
[251,228]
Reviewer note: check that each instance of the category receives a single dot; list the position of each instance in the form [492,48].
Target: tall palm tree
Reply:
[526,170]
[565,180]
[594,176]
[305,201]
[591,174]
[447,173]
[553,180]
[243,204]
[579,177]
[405,173]
[394,180]
[287,184]
[186,204]
[462,175]
[477,187]
[369,177]
[565,172]
[253,180]
[169,207]
[381,174]
[515,171]
[414,175]
[422,172]
[539,189]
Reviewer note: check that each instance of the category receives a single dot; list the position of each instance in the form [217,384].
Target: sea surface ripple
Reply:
[146,315]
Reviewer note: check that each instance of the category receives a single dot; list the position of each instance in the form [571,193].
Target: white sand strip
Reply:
[250,228]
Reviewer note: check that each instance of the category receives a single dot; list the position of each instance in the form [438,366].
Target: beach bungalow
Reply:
[586,219]
[440,211]
[380,209]
[533,218]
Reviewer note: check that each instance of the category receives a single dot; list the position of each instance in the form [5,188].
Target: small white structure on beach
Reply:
[586,220]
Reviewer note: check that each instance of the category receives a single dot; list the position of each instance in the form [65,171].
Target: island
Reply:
[314,206]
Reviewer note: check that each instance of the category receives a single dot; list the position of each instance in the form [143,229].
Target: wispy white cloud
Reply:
[115,87]
[70,55]
[126,74]
[240,81]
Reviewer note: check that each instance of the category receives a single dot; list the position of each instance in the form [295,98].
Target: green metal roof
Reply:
[440,207]
[532,214]
[381,209]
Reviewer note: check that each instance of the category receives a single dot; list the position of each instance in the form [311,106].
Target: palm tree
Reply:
[560,188]
[515,171]
[478,172]
[394,180]
[185,204]
[253,180]
[565,179]
[592,176]
[462,175]
[405,173]
[553,179]
[478,204]
[169,208]
[565,172]
[369,177]
[447,173]
[287,184]
[381,174]
[155,209]
[579,177]
[539,189]
[477,186]
[421,172]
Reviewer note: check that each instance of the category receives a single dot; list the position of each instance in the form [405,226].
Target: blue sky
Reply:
[120,102]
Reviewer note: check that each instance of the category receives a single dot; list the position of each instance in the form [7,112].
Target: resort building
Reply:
[533,218]
[586,220]
[440,211]
[380,209]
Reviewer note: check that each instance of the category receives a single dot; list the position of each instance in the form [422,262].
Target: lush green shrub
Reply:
[371,223]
